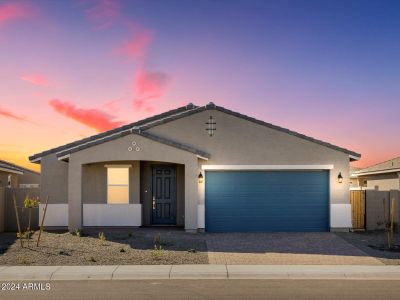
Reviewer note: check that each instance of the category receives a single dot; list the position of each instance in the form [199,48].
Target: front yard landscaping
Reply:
[172,246]
[373,243]
[110,248]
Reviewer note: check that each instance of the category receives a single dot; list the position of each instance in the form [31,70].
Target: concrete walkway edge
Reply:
[158,272]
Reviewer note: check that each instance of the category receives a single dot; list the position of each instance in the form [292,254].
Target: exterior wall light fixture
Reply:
[201,178]
[340,177]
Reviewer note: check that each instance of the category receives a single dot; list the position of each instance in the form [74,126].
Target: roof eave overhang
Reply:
[376,172]
[354,157]
[11,171]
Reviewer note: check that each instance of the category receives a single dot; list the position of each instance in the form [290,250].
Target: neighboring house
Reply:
[12,175]
[355,184]
[200,167]
[384,176]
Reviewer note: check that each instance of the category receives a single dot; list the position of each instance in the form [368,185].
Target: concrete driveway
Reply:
[284,248]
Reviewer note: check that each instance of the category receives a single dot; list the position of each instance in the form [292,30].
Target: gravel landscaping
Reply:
[118,248]
[148,246]
[373,243]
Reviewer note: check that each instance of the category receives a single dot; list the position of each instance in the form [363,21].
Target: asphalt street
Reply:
[212,289]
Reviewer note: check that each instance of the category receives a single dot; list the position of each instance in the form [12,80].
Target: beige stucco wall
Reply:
[94,185]
[117,151]
[54,180]
[29,178]
[240,142]
[383,182]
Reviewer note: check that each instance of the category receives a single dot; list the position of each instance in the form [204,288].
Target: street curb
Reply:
[167,272]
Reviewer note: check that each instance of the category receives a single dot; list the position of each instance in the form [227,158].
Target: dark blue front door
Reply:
[267,201]
[164,195]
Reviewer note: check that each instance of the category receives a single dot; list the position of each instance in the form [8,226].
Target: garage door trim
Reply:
[266,167]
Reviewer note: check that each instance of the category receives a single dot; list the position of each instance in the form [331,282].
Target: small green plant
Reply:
[23,235]
[102,237]
[24,260]
[158,252]
[78,232]
[130,234]
[30,203]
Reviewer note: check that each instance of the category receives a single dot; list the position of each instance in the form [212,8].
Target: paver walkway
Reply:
[284,249]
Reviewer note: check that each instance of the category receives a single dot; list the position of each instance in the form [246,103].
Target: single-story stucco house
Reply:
[14,176]
[384,176]
[202,168]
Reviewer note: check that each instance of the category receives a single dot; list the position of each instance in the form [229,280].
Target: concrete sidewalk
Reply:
[135,272]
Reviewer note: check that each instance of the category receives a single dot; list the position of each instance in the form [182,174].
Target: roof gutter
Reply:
[376,172]
[11,171]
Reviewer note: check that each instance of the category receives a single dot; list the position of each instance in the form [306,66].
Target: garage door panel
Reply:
[267,201]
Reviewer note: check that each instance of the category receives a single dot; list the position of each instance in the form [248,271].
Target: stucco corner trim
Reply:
[341,216]
[266,167]
[201,215]
[202,157]
[64,157]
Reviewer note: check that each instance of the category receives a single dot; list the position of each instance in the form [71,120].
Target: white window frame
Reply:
[118,167]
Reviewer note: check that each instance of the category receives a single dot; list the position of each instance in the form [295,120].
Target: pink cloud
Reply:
[112,105]
[149,85]
[9,114]
[35,79]
[93,118]
[137,46]
[11,11]
[104,13]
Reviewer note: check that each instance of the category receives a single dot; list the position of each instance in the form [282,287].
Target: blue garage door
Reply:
[267,201]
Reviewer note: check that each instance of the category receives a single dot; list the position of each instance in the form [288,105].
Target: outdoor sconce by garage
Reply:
[340,177]
[201,178]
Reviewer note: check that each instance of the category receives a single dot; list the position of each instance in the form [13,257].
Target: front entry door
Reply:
[164,195]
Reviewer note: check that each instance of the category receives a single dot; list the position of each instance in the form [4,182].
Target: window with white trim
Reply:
[117,185]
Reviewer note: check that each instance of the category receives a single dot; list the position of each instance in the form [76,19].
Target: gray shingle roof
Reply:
[13,167]
[239,115]
[170,116]
[112,131]
[385,166]
[138,132]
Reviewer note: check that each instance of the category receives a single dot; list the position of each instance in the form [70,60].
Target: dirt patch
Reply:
[373,243]
[116,248]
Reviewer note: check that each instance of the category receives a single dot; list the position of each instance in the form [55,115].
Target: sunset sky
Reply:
[72,68]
